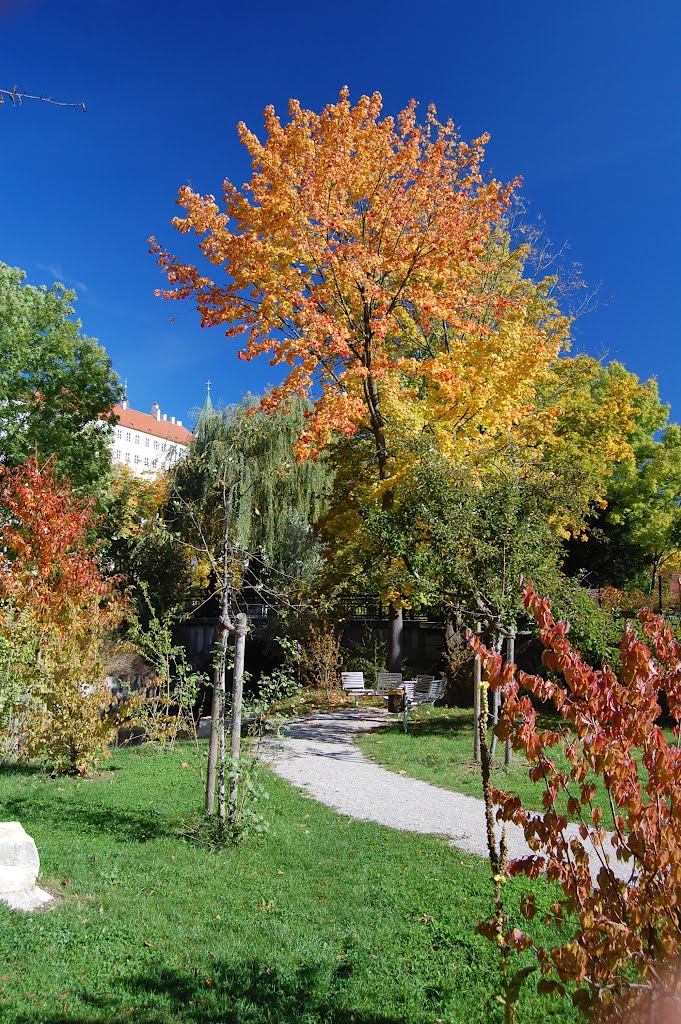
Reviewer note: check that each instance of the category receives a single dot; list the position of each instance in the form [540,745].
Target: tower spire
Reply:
[207,406]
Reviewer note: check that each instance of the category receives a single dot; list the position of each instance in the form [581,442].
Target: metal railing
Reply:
[362,607]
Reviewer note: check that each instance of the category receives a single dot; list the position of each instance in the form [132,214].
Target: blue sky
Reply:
[582,99]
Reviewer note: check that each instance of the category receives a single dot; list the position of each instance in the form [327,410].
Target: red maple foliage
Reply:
[621,958]
[46,561]
[50,573]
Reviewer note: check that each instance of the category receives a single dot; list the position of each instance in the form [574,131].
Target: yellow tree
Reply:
[364,254]
[595,415]
[590,413]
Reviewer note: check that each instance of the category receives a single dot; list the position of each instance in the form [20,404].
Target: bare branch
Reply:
[16,98]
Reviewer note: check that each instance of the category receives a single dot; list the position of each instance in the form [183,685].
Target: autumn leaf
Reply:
[609,960]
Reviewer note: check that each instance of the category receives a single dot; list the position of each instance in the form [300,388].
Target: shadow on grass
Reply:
[251,992]
[19,769]
[80,818]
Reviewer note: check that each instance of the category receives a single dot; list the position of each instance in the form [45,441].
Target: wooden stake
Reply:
[237,704]
[216,718]
[496,703]
[510,656]
[477,679]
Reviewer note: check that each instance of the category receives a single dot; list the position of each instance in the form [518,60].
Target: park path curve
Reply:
[318,755]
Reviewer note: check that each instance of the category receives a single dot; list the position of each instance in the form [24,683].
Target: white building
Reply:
[147,442]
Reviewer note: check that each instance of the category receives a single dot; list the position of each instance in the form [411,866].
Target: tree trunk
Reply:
[237,703]
[655,568]
[395,640]
[450,635]
[452,643]
[394,647]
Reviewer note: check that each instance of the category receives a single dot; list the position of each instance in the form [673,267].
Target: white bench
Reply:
[353,684]
[424,690]
[388,681]
[428,690]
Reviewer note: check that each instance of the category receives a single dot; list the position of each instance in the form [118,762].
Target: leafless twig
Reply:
[16,98]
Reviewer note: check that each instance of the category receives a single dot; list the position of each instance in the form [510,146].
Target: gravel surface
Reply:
[318,755]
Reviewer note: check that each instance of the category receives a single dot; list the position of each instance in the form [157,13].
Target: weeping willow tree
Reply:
[243,505]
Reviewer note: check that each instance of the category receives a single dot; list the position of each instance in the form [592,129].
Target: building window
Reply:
[119,435]
[156,445]
[155,463]
[146,442]
[127,436]
[146,462]
[127,456]
[163,446]
[117,453]
[137,458]
[137,439]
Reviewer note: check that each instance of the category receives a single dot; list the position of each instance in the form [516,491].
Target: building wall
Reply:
[143,453]
[147,443]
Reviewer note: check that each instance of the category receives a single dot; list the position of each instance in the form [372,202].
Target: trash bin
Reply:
[395,701]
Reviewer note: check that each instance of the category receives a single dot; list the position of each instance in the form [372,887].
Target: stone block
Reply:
[19,861]
[27,899]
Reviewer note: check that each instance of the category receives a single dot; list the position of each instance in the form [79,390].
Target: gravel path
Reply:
[318,755]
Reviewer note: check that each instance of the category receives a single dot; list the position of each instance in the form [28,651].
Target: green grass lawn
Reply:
[439,748]
[323,919]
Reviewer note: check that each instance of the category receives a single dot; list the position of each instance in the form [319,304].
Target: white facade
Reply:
[147,443]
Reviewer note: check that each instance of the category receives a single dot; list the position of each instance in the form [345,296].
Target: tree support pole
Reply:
[510,657]
[496,700]
[477,679]
[216,718]
[237,704]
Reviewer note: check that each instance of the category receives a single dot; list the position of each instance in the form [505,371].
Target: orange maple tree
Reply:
[49,573]
[368,255]
[362,254]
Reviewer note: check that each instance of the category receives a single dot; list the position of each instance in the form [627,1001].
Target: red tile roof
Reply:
[148,424]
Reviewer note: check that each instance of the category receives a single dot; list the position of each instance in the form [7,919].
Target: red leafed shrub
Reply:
[618,962]
[50,578]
